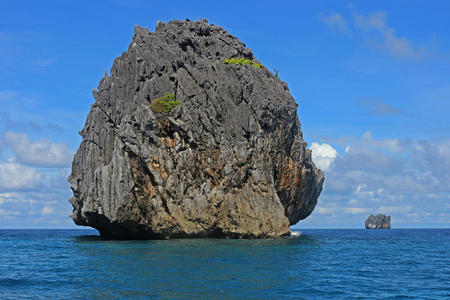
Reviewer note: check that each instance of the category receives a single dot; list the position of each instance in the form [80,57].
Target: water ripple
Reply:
[325,264]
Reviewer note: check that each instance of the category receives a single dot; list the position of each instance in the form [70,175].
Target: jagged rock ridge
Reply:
[230,161]
[379,221]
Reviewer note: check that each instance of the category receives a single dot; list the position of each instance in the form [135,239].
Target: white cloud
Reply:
[356,210]
[360,190]
[30,208]
[10,124]
[352,201]
[9,213]
[407,179]
[43,62]
[395,209]
[389,41]
[16,198]
[47,210]
[443,151]
[377,166]
[7,95]
[323,155]
[378,107]
[334,21]
[376,34]
[327,210]
[40,153]
[16,176]
[17,49]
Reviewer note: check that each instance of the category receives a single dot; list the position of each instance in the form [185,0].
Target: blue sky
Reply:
[372,80]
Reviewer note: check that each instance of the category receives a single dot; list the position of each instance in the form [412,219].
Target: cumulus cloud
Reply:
[342,210]
[7,122]
[43,62]
[16,198]
[388,40]
[393,145]
[323,155]
[394,209]
[39,153]
[30,208]
[394,165]
[7,95]
[16,176]
[47,210]
[334,21]
[7,214]
[18,49]
[376,34]
[407,179]
[378,107]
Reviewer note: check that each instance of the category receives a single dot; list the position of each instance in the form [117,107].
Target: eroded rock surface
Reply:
[379,221]
[229,161]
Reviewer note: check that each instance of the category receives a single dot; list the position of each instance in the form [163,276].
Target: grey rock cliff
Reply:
[229,162]
[379,221]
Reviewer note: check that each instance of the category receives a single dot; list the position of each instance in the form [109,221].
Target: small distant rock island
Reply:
[379,221]
[191,136]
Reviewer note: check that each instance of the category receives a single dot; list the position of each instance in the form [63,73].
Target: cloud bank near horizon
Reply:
[392,176]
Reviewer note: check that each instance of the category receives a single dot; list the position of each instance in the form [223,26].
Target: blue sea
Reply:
[319,264]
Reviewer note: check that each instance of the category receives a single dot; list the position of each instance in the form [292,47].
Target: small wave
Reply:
[295,234]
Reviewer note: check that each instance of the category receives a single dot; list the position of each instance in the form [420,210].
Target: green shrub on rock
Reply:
[165,103]
[242,61]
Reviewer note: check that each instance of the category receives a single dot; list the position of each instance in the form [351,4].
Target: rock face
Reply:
[230,161]
[378,222]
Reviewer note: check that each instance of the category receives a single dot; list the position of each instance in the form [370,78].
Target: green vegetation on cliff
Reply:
[242,61]
[165,103]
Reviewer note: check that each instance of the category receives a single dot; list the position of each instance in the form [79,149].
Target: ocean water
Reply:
[319,264]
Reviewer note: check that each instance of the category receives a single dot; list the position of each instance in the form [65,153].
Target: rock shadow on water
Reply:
[295,238]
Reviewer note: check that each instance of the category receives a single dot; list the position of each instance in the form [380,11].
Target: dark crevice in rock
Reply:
[94,142]
[110,120]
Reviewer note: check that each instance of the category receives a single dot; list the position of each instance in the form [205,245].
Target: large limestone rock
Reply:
[379,221]
[229,161]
